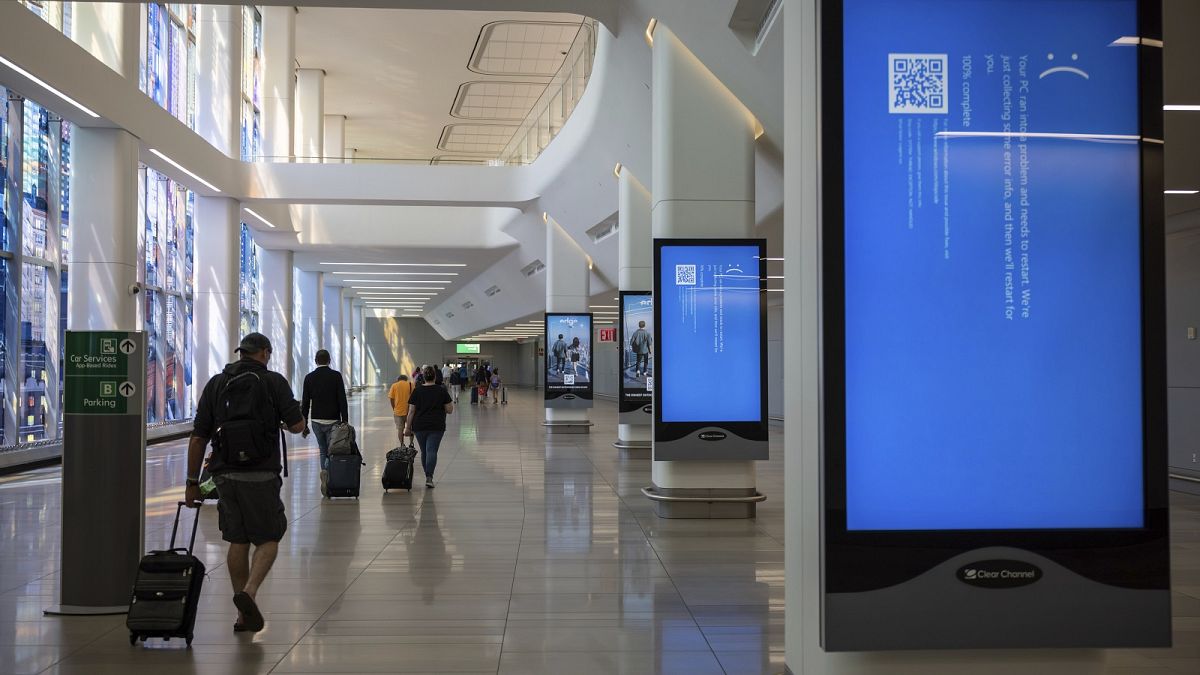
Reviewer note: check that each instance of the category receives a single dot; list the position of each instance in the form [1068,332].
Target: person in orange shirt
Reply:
[401,390]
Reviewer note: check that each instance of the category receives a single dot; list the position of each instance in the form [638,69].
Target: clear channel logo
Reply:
[712,435]
[999,573]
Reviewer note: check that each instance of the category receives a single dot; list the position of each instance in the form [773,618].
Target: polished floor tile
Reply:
[533,555]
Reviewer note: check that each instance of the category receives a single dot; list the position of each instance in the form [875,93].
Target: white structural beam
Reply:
[703,178]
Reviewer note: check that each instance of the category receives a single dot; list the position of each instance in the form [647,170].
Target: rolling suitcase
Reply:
[398,472]
[474,396]
[345,474]
[166,592]
[504,396]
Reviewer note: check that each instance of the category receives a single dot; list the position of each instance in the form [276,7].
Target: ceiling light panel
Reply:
[529,48]
[373,264]
[479,139]
[497,101]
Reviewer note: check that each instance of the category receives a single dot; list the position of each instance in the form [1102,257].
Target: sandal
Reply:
[252,617]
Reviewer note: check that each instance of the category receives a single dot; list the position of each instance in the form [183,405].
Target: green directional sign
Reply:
[467,348]
[103,373]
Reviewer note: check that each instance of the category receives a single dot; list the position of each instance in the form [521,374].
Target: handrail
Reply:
[552,109]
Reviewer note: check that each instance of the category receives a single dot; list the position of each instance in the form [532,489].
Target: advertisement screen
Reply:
[637,349]
[568,355]
[992,265]
[710,332]
[466,348]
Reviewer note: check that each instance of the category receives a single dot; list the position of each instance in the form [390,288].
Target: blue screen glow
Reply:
[710,334]
[992,265]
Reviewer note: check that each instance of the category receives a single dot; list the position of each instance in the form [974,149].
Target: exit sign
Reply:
[608,334]
[463,348]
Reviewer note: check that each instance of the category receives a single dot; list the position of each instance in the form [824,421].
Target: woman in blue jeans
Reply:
[427,410]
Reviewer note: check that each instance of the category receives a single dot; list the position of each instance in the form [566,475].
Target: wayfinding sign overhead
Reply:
[104,373]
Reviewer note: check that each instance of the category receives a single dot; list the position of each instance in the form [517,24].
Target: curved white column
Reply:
[635,271]
[277,313]
[568,287]
[215,311]
[104,253]
[703,186]
[310,115]
[278,91]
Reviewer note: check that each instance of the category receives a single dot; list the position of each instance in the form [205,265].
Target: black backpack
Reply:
[245,413]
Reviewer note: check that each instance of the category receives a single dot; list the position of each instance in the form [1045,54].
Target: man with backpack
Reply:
[241,411]
[640,344]
[323,404]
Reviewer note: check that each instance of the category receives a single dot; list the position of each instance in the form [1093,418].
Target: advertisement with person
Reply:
[568,360]
[637,356]
[710,316]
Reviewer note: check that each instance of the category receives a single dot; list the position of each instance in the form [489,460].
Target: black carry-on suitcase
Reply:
[474,395]
[166,592]
[398,472]
[504,396]
[345,475]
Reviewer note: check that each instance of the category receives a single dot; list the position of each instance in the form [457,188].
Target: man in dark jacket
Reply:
[323,404]
[241,410]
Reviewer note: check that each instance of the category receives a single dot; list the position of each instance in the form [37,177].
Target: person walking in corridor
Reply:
[641,343]
[241,410]
[559,351]
[399,394]
[323,403]
[427,410]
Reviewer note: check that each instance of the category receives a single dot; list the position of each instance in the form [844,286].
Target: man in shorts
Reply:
[241,410]
[398,395]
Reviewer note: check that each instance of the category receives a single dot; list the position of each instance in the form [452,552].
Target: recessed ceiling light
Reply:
[428,274]
[1180,192]
[397,281]
[42,83]
[603,306]
[179,166]
[374,264]
[400,288]
[1182,108]
[256,215]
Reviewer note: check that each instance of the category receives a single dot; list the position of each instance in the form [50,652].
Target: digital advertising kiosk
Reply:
[568,361]
[710,357]
[636,331]
[993,346]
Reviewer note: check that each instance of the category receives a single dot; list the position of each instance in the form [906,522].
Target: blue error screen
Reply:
[709,334]
[992,265]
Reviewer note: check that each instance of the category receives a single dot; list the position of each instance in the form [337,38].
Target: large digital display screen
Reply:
[992,265]
[637,349]
[710,331]
[568,355]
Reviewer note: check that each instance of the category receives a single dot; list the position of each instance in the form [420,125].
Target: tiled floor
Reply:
[534,555]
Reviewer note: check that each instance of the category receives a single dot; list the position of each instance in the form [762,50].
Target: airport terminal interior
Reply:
[922,403]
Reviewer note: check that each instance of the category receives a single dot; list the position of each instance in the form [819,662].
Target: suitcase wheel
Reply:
[189,641]
[132,639]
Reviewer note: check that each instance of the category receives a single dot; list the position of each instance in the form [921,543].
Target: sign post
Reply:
[104,459]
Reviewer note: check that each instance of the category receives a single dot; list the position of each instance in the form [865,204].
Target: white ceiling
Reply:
[396,75]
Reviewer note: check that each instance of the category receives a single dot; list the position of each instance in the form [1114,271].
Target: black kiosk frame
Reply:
[569,396]
[631,410]
[1096,588]
[710,439]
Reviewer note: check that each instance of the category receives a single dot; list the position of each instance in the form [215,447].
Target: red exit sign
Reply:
[608,334]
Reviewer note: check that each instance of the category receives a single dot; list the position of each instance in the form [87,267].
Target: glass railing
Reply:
[552,110]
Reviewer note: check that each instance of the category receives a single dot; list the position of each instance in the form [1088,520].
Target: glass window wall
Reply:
[169,64]
[251,83]
[166,242]
[249,276]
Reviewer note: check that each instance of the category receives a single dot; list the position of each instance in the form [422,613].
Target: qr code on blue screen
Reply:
[917,83]
[685,275]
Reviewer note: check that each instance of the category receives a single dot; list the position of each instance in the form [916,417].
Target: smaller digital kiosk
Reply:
[994,474]
[568,361]
[636,333]
[710,358]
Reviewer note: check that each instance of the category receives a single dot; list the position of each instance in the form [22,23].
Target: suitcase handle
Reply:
[195,527]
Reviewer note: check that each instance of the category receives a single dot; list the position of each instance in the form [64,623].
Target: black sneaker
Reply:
[429,483]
